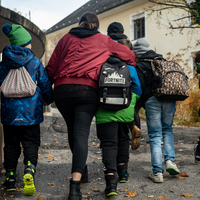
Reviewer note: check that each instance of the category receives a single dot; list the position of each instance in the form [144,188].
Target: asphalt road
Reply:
[54,166]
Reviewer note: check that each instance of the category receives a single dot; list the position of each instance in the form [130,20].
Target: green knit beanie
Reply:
[17,35]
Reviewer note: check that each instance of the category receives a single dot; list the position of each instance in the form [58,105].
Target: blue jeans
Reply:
[159,116]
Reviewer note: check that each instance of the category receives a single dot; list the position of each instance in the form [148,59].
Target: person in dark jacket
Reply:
[159,115]
[21,117]
[116,32]
[74,69]
[113,133]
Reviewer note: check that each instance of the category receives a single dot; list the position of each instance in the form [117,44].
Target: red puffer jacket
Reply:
[79,55]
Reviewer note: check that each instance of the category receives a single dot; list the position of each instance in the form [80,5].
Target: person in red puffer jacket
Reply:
[74,69]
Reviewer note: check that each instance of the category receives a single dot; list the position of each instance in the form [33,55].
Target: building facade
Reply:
[139,22]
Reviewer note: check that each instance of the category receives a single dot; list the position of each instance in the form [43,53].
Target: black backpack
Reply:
[115,91]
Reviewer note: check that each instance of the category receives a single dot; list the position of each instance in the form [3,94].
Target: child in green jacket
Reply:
[113,133]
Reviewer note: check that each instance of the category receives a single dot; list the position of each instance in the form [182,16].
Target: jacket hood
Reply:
[15,56]
[150,55]
[83,32]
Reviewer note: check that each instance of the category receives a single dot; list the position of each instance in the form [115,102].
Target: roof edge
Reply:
[97,13]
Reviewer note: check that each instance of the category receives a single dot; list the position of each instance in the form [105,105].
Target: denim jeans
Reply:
[159,116]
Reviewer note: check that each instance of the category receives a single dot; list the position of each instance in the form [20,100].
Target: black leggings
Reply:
[114,137]
[78,113]
[29,136]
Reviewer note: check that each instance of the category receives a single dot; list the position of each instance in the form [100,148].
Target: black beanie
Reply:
[115,27]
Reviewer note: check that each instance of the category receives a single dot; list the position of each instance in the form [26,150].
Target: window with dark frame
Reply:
[139,28]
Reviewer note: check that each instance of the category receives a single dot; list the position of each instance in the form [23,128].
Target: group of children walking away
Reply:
[74,69]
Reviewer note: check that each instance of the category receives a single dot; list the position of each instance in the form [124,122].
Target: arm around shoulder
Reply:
[121,51]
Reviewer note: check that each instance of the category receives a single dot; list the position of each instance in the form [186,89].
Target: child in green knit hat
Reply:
[197,146]
[21,117]
[17,35]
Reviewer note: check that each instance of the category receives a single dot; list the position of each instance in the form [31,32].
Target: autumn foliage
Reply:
[187,111]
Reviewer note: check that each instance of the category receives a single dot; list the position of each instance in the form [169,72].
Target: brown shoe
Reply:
[136,137]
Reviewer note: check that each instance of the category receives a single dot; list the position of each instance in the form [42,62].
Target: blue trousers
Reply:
[159,116]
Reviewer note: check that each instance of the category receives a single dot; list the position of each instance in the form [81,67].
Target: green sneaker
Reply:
[29,186]
[123,175]
[111,185]
[9,183]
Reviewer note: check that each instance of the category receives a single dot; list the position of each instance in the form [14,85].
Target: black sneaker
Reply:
[84,178]
[196,155]
[123,175]
[9,183]
[111,185]
[29,186]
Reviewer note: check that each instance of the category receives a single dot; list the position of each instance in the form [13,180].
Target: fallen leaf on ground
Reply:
[184,174]
[177,161]
[88,192]
[162,197]
[187,195]
[180,177]
[39,195]
[39,199]
[51,184]
[171,190]
[131,194]
[180,150]
[84,196]
[50,156]
[185,158]
[19,189]
[150,196]
[95,190]
[56,159]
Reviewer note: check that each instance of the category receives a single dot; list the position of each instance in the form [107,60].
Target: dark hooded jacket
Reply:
[28,110]
[79,55]
[145,75]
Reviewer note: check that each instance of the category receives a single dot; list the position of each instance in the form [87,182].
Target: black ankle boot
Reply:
[111,185]
[74,193]
[123,173]
[84,178]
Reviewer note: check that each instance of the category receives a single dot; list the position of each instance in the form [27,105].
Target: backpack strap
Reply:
[104,94]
